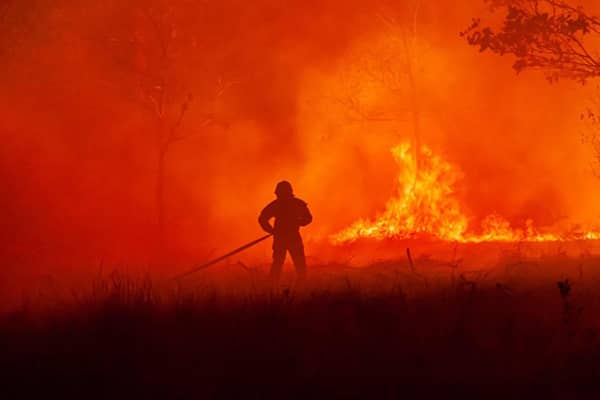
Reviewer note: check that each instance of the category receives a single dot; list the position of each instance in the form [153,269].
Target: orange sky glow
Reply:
[325,94]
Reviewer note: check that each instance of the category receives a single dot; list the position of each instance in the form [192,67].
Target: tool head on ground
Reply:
[284,189]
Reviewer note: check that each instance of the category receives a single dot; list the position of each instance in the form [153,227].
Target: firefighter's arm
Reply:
[306,216]
[264,217]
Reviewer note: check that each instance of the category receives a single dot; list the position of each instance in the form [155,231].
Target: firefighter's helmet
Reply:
[284,189]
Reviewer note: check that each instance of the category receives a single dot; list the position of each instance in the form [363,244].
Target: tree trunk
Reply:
[414,105]
[160,199]
[416,120]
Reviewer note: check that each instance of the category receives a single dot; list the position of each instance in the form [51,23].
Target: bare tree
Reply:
[154,53]
[396,67]
[409,37]
[548,35]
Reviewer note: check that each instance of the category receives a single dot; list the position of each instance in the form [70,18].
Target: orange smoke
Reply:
[315,92]
[425,205]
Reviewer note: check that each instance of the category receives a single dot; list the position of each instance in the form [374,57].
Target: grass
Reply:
[390,330]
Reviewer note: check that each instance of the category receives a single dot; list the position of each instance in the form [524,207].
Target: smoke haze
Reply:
[316,92]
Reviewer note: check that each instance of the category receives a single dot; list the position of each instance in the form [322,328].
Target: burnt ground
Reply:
[527,328]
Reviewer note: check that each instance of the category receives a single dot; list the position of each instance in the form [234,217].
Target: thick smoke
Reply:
[312,91]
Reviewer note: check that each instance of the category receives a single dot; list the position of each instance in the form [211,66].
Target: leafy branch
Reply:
[547,35]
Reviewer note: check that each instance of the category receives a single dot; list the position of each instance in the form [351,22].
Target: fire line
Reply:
[425,205]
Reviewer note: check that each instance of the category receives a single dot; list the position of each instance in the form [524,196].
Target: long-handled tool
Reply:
[216,260]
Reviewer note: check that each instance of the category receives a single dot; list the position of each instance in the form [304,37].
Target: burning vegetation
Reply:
[425,206]
[141,137]
[161,126]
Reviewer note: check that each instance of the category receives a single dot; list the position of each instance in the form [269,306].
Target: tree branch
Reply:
[541,34]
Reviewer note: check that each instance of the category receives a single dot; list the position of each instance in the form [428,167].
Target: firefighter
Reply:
[290,214]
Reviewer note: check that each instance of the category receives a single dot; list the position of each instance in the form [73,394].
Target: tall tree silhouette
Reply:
[154,49]
[397,66]
[407,33]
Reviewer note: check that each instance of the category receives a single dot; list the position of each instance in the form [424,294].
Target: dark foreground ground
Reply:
[392,330]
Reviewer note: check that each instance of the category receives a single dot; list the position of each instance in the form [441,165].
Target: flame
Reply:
[425,205]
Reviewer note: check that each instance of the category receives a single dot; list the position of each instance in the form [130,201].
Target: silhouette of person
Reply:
[290,214]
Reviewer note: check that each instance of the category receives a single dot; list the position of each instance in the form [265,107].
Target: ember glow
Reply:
[425,206]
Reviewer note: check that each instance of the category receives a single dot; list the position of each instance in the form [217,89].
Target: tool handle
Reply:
[216,260]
